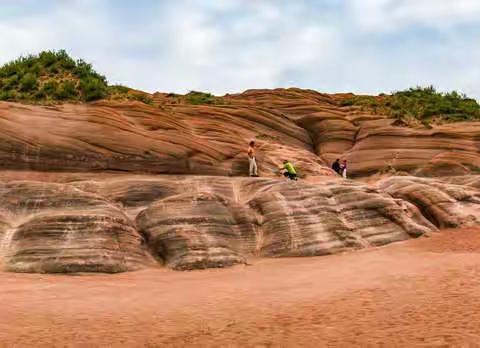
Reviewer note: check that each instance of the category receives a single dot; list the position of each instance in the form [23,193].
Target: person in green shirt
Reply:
[290,171]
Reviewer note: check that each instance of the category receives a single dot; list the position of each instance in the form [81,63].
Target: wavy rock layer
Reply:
[445,204]
[140,138]
[107,212]
[118,223]
[53,228]
[311,129]
[373,142]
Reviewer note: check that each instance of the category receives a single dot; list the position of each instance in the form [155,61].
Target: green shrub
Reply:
[28,82]
[196,98]
[347,102]
[67,79]
[422,103]
[52,76]
[53,70]
[11,82]
[36,69]
[84,70]
[92,88]
[47,58]
[66,90]
[7,95]
[122,92]
[50,87]
[40,95]
[22,96]
[142,98]
[119,89]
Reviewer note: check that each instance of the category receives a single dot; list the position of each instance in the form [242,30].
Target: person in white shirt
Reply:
[343,169]
[251,159]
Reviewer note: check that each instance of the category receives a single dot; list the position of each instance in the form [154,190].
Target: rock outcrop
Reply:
[135,137]
[309,128]
[373,142]
[56,228]
[80,189]
[444,204]
[117,223]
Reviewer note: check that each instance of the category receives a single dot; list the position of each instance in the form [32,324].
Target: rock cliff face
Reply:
[50,227]
[307,127]
[81,190]
[125,222]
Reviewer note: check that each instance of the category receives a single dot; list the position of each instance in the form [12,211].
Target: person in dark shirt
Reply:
[336,166]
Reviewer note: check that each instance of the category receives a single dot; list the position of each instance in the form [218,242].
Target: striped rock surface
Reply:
[80,188]
[56,228]
[117,223]
[310,129]
[443,203]
[372,142]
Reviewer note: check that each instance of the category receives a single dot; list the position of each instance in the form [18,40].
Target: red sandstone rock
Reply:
[77,190]
[118,222]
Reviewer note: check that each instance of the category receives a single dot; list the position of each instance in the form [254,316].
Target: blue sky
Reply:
[361,46]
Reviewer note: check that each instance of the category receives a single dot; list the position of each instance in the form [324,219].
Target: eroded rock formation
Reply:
[309,128]
[50,227]
[81,189]
[444,204]
[116,223]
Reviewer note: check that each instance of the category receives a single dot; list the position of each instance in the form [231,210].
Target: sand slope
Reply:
[422,292]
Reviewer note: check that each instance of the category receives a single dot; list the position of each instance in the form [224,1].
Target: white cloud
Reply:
[252,48]
[394,15]
[77,25]
[365,46]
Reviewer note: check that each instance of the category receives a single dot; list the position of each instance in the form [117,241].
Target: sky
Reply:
[228,46]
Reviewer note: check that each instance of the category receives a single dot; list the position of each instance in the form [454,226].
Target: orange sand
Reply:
[423,292]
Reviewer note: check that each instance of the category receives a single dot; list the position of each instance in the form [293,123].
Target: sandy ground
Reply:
[423,292]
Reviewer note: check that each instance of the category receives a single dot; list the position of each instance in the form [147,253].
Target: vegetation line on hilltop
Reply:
[54,76]
[419,105]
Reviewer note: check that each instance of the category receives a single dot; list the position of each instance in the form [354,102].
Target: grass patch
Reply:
[423,105]
[53,77]
[119,92]
[141,97]
[195,98]
[50,76]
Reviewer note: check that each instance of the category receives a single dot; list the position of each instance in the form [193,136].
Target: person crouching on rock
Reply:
[252,163]
[290,171]
[343,169]
[336,166]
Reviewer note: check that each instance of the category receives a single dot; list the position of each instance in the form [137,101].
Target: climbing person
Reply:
[290,171]
[336,166]
[343,169]
[252,163]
